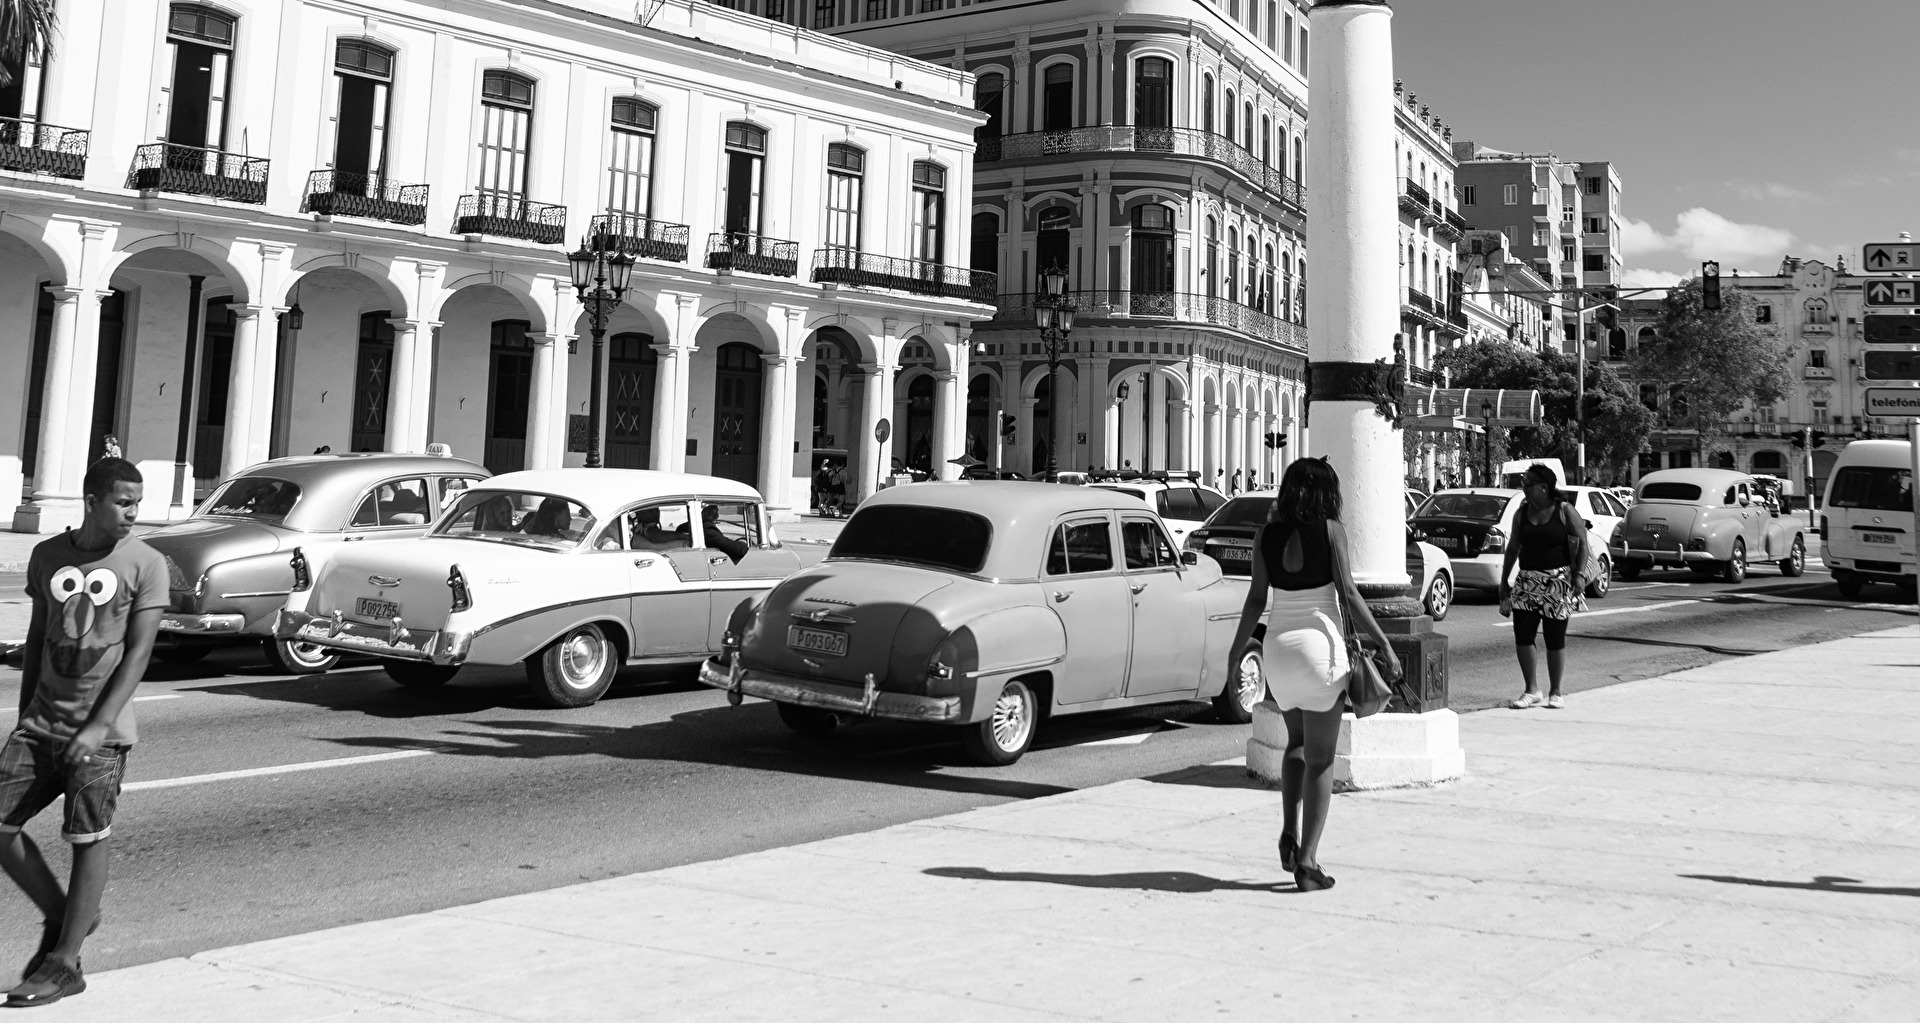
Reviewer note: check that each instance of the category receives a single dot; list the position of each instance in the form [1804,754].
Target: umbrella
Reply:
[965,461]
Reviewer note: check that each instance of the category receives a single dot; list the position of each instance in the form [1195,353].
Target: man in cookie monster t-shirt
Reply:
[98,592]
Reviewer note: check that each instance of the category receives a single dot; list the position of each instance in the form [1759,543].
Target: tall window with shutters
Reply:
[363,72]
[200,43]
[1152,92]
[506,127]
[630,157]
[929,211]
[846,190]
[746,181]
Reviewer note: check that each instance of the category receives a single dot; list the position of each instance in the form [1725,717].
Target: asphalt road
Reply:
[406,801]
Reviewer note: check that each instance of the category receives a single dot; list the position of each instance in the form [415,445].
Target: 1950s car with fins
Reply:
[990,606]
[570,572]
[1710,520]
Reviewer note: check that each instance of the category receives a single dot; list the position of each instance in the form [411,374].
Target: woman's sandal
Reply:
[1289,853]
[1311,879]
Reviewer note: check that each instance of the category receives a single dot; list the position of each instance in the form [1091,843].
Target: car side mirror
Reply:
[1189,557]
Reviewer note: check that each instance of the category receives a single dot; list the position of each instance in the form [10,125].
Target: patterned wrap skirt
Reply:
[1549,593]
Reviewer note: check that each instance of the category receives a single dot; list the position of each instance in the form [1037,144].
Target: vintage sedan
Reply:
[229,561]
[1709,520]
[990,606]
[569,572]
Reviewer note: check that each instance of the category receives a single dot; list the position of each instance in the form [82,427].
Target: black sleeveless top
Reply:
[1316,555]
[1543,546]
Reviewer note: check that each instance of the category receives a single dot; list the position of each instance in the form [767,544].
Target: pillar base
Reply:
[1385,751]
[48,515]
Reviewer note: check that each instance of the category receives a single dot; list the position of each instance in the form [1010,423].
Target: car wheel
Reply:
[415,675]
[1235,706]
[1734,569]
[1629,573]
[1439,599]
[1604,581]
[574,670]
[185,653]
[809,720]
[1008,729]
[297,658]
[1850,584]
[1796,560]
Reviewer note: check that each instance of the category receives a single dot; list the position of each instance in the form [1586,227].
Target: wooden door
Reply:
[736,413]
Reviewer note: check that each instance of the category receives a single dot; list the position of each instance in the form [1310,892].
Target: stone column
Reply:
[1023,436]
[1230,445]
[547,412]
[875,461]
[66,407]
[410,385]
[670,386]
[1210,458]
[948,433]
[242,448]
[776,434]
[1179,410]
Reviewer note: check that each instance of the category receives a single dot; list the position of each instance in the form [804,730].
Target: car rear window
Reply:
[260,498]
[1873,488]
[1243,511]
[1488,507]
[936,537]
[1669,492]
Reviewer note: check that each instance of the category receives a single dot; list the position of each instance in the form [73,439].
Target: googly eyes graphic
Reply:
[67,582]
[101,585]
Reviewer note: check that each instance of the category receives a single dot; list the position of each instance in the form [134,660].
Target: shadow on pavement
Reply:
[1821,883]
[1211,776]
[1176,881]
[1724,651]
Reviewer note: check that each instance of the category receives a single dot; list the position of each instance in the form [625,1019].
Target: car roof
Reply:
[1022,513]
[329,484]
[1702,476]
[1484,491]
[607,490]
[1898,453]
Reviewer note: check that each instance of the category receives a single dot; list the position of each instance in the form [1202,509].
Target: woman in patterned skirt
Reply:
[1550,546]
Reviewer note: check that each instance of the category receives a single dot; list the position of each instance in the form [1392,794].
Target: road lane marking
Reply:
[137,699]
[1120,740]
[261,772]
[1622,610]
[1738,598]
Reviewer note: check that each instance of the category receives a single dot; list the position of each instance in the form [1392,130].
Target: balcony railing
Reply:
[1456,221]
[1817,372]
[1127,138]
[1420,300]
[191,170]
[640,236]
[1101,306]
[836,265]
[508,215]
[1415,201]
[338,194]
[37,148]
[752,253]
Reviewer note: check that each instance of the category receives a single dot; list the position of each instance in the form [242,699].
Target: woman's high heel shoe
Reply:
[1311,879]
[1289,853]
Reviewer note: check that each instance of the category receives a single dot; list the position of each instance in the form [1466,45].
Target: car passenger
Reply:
[551,519]
[714,538]
[494,515]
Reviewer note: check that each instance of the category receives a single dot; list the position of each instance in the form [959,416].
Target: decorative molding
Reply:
[1379,383]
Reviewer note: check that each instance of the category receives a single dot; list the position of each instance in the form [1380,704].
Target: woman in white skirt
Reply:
[1301,556]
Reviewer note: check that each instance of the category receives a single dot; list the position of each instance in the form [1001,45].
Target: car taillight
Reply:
[457,583]
[1495,541]
[1619,536]
[1196,541]
[302,575]
[1698,543]
[1823,529]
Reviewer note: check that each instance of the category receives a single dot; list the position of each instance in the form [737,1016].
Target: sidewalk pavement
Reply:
[1735,842]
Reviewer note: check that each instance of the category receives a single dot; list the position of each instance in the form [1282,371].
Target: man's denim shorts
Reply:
[32,776]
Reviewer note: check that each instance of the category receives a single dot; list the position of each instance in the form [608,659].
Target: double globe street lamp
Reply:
[1053,314]
[600,277]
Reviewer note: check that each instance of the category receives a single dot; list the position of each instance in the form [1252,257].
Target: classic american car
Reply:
[229,561]
[990,606]
[570,572]
[1709,520]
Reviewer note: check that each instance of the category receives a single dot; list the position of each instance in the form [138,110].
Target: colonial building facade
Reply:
[1151,150]
[234,230]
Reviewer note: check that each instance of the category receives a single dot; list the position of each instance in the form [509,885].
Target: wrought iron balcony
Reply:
[752,253]
[1181,307]
[192,170]
[640,236]
[1447,223]
[1127,138]
[338,194]
[509,215]
[834,265]
[1456,221]
[1415,200]
[37,148]
[1420,300]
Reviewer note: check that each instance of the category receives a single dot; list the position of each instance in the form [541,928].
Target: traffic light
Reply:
[1799,440]
[1276,440]
[1819,438]
[1710,285]
[1007,424]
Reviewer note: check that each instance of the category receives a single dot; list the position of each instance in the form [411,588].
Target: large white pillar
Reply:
[243,447]
[1023,436]
[948,431]
[672,380]
[776,434]
[1230,445]
[1211,460]
[547,404]
[410,386]
[66,407]
[875,458]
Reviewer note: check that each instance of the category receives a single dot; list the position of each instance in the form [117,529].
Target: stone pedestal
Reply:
[48,515]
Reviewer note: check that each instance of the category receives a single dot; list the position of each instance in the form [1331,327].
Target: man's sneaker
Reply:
[53,981]
[1526,701]
[1556,701]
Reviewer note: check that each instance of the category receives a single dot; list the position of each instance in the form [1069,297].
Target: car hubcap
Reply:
[1010,719]
[582,659]
[308,653]
[1252,684]
[1439,598]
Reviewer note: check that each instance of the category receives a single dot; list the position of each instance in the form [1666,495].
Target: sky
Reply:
[1742,130]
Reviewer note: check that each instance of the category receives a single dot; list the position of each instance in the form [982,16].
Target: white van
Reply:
[1868,525]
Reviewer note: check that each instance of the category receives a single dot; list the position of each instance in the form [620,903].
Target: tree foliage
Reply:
[26,31]
[1719,361]
[1617,424]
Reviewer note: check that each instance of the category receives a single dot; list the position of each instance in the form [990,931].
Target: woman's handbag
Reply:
[1367,690]
[1584,571]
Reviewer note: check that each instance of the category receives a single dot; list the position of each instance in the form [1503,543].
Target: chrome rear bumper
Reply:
[202,625]
[395,641]
[812,692]
[1658,556]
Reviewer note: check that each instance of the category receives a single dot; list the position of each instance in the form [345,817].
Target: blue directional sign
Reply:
[1898,291]
[1882,329]
[1890,257]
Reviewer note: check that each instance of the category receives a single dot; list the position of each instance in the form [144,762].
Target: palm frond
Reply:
[27,28]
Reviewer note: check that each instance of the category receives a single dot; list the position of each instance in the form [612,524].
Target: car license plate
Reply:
[1233,554]
[1445,543]
[369,607]
[1887,538]
[817,641]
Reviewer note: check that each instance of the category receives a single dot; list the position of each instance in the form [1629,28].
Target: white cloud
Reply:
[1770,191]
[1700,233]
[1649,279]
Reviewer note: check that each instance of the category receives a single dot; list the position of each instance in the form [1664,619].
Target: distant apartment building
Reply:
[1430,225]
[1503,298]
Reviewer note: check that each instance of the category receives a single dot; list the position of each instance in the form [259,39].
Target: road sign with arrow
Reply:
[1890,257]
[1893,292]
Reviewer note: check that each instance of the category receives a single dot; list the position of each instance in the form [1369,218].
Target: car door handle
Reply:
[1061,595]
[717,559]
[643,562]
[1137,587]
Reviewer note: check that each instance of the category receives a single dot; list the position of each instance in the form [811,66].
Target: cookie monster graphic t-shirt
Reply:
[89,597]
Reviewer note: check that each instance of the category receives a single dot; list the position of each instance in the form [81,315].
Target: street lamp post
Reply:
[1486,443]
[600,278]
[1053,314]
[1120,425]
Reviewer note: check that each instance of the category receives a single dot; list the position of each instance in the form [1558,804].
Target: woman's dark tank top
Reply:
[1542,546]
[1316,555]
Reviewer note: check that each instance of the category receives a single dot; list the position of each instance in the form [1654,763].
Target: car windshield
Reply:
[1669,492]
[1488,507]
[1243,511]
[516,517]
[260,498]
[1873,488]
[937,537]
